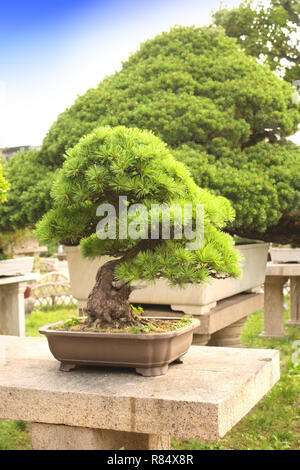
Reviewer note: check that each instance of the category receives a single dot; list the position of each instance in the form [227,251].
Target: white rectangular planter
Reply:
[16,266]
[193,299]
[285,255]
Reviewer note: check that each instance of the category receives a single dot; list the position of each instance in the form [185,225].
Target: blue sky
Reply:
[53,50]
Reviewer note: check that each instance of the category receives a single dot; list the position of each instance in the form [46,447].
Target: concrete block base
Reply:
[273,307]
[61,437]
[276,277]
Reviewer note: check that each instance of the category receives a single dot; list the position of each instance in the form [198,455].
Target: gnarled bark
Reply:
[109,300]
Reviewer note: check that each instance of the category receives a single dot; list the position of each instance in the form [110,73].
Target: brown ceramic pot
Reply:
[149,354]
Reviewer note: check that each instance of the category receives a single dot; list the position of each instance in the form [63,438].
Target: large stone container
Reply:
[194,299]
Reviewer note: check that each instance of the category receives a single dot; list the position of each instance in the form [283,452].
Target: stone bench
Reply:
[107,408]
[12,312]
[276,277]
[222,325]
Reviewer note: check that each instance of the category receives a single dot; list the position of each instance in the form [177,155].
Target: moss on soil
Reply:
[145,326]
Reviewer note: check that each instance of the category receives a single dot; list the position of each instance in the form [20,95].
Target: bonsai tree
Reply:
[110,163]
[221,112]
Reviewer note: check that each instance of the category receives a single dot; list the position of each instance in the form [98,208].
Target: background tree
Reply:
[270,33]
[29,194]
[113,162]
[4,186]
[222,113]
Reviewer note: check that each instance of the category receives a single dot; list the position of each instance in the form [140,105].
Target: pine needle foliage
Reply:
[113,162]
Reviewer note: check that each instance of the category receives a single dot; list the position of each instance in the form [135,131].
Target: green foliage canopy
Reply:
[270,33]
[4,186]
[28,197]
[221,112]
[113,162]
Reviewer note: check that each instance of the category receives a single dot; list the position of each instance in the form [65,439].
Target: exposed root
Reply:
[121,323]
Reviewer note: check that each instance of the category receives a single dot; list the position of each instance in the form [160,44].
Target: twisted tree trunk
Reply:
[109,300]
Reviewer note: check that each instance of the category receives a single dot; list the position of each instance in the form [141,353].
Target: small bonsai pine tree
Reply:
[113,162]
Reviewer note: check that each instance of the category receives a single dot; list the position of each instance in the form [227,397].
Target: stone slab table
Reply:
[223,324]
[12,310]
[108,408]
[276,277]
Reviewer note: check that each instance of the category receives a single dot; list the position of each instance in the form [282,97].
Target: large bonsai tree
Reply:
[223,114]
[114,162]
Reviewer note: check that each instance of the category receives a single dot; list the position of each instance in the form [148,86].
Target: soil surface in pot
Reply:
[143,325]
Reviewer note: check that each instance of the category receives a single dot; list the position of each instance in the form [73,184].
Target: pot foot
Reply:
[179,360]
[66,366]
[152,371]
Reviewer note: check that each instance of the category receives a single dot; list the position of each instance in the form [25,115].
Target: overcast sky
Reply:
[53,50]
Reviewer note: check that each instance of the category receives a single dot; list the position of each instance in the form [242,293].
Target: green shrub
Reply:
[28,197]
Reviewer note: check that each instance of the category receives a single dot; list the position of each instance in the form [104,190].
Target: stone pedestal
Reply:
[200,340]
[12,310]
[276,276]
[111,408]
[61,437]
[230,336]
[295,301]
[273,307]
[222,325]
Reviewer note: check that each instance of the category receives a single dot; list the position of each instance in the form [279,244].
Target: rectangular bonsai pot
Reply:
[149,354]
